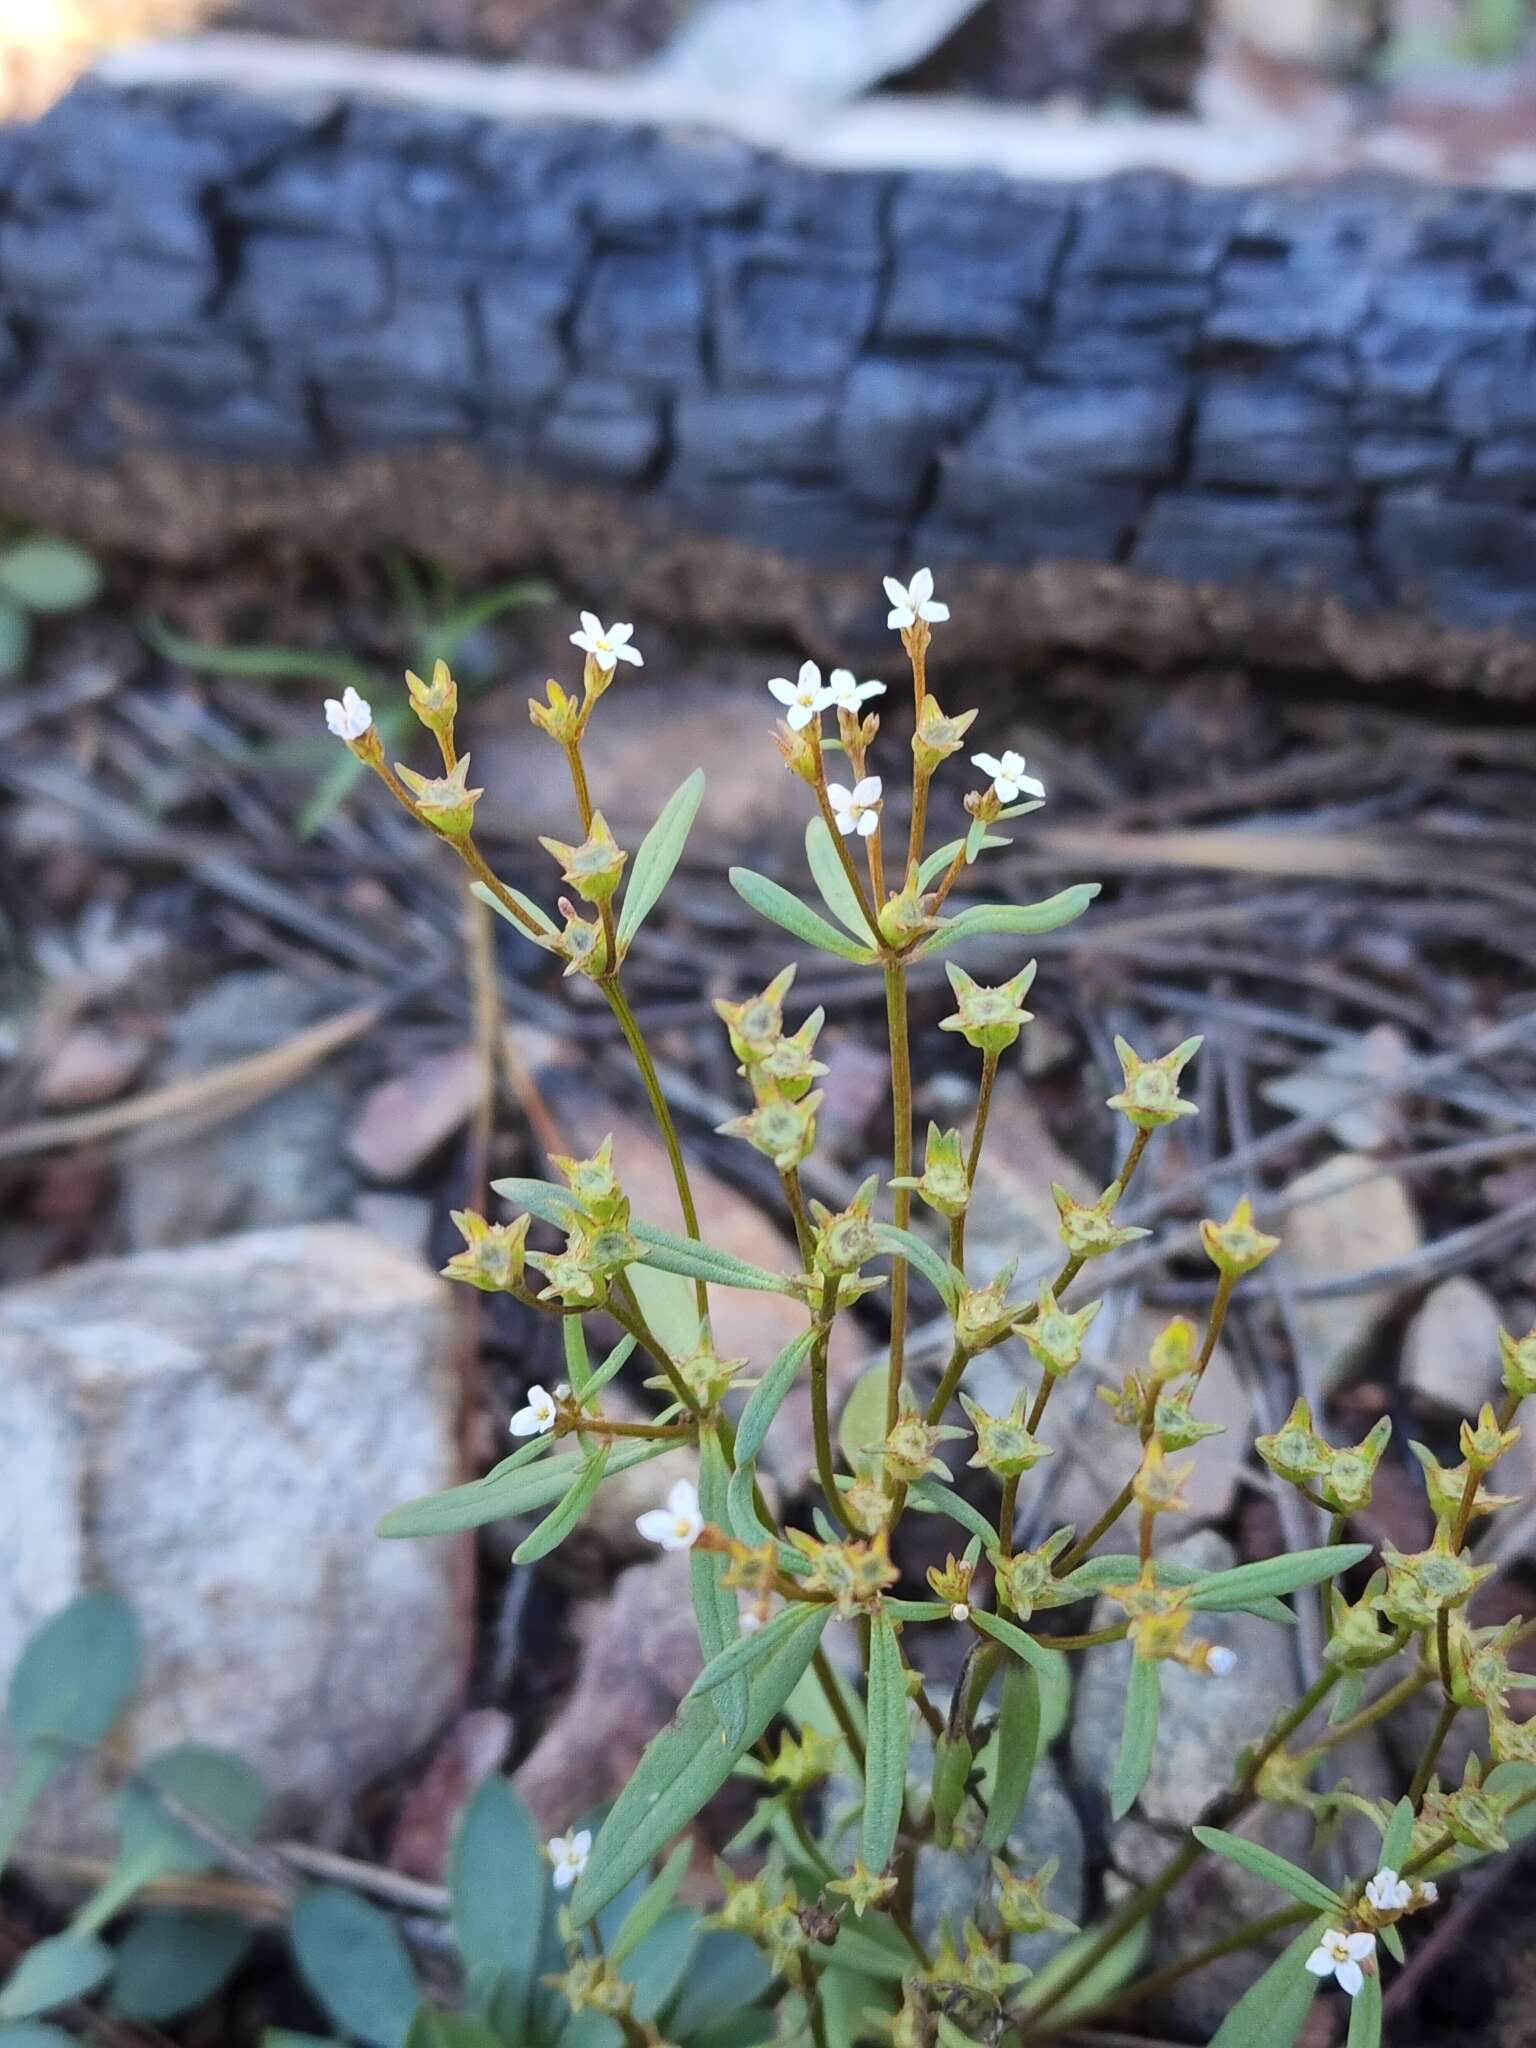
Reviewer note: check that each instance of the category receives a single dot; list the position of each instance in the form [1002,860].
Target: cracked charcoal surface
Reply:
[1133,414]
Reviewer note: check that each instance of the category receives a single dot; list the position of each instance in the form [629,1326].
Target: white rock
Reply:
[1348,1218]
[214,1432]
[1451,1351]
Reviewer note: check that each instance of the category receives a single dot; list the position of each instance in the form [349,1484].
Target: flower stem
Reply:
[821,1422]
[618,1002]
[901,1153]
[973,1158]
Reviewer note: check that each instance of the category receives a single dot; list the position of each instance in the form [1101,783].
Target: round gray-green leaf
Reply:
[352,1958]
[76,1674]
[169,1962]
[54,1972]
[45,575]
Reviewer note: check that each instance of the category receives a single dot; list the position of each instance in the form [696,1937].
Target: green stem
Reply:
[973,1160]
[821,1420]
[618,1002]
[901,1153]
[826,1677]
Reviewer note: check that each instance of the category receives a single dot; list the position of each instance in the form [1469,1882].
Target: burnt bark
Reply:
[1296,424]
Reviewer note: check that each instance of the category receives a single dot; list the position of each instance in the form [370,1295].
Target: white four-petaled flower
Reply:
[607,645]
[569,1853]
[537,1416]
[348,716]
[1389,1893]
[913,601]
[1008,777]
[679,1524]
[1342,1955]
[856,809]
[1220,1661]
[847,693]
[806,698]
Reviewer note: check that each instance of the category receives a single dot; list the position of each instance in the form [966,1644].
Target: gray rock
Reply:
[214,1433]
[1348,1217]
[280,1162]
[1451,1352]
[1204,1722]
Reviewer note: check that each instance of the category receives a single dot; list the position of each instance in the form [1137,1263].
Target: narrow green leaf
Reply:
[768,1397]
[54,1972]
[651,1904]
[1138,1737]
[935,1269]
[557,1525]
[498,1885]
[1101,1982]
[674,1254]
[169,1962]
[76,1673]
[795,917]
[1271,1577]
[1276,1870]
[916,1610]
[727,1973]
[1012,1638]
[660,1961]
[541,1198]
[541,918]
[933,1497]
[508,1490]
[683,1766]
[741,1514]
[15,639]
[614,1363]
[861,1422]
[714,1603]
[937,862]
[855,1949]
[578,1360]
[1018,1741]
[351,1956]
[1113,1568]
[1010,920]
[831,878]
[1273,2011]
[48,575]
[885,1768]
[34,2034]
[1365,2015]
[1394,1847]
[660,851]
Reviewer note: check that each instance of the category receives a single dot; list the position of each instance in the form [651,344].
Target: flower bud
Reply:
[1236,1247]
[1519,1357]
[436,703]
[445,802]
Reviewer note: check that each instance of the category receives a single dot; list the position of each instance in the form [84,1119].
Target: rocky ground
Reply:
[242,1085]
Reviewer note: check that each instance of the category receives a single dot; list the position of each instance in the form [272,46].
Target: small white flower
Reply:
[569,1853]
[807,698]
[607,645]
[1428,1892]
[1388,1893]
[1008,777]
[960,1611]
[1340,1955]
[677,1526]
[538,1416]
[856,809]
[913,601]
[1220,1661]
[847,693]
[350,716]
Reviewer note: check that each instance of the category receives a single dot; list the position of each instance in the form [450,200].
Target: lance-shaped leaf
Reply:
[795,917]
[1273,1576]
[741,1516]
[885,1766]
[555,1527]
[652,1903]
[1010,920]
[1365,2015]
[1115,1568]
[540,918]
[1399,1836]
[933,1497]
[1018,1742]
[714,1603]
[54,1972]
[498,1885]
[673,1254]
[831,878]
[1273,2011]
[942,1277]
[351,1956]
[511,1489]
[768,1397]
[1013,1638]
[1138,1737]
[683,1766]
[670,1305]
[1276,1870]
[660,851]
